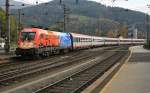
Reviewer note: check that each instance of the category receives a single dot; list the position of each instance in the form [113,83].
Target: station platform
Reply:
[134,75]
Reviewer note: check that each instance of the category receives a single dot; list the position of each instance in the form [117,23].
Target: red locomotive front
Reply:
[30,40]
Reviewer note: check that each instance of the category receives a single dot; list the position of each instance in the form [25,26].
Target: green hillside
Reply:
[88,13]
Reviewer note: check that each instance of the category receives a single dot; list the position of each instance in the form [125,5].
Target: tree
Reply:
[98,32]
[13,26]
[110,34]
[141,35]
[123,31]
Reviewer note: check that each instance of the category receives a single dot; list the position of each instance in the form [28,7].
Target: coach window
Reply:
[74,39]
[78,39]
[85,39]
[82,39]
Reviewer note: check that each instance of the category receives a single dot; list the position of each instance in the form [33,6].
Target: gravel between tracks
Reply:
[77,82]
[58,73]
[22,66]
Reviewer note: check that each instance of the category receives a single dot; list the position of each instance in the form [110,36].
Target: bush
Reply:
[147,46]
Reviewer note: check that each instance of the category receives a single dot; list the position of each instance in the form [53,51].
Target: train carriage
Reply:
[125,41]
[97,41]
[111,41]
[138,41]
[81,41]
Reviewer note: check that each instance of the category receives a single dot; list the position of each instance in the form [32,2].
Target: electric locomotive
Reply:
[35,41]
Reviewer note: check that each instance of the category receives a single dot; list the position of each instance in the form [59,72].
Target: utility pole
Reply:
[64,6]
[147,29]
[19,18]
[66,18]
[7,39]
[18,23]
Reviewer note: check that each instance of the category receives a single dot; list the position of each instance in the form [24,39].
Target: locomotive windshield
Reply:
[27,36]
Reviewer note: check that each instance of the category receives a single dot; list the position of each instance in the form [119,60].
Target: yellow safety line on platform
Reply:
[107,85]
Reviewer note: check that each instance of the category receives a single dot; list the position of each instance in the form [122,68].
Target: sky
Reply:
[138,5]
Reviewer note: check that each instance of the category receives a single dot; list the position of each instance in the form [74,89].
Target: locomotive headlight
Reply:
[27,45]
[31,44]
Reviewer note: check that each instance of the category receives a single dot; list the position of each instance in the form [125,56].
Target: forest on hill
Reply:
[86,17]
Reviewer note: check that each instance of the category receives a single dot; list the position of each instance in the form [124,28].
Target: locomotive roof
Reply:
[80,35]
[74,34]
[33,30]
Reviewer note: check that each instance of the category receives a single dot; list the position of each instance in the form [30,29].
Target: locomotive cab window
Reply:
[28,35]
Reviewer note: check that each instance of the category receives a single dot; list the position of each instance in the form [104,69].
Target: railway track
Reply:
[15,61]
[22,73]
[19,63]
[78,81]
[15,64]
[12,67]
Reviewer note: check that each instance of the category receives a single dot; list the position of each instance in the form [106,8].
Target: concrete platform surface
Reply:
[134,76]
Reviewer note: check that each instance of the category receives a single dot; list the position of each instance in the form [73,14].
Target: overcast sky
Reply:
[139,5]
